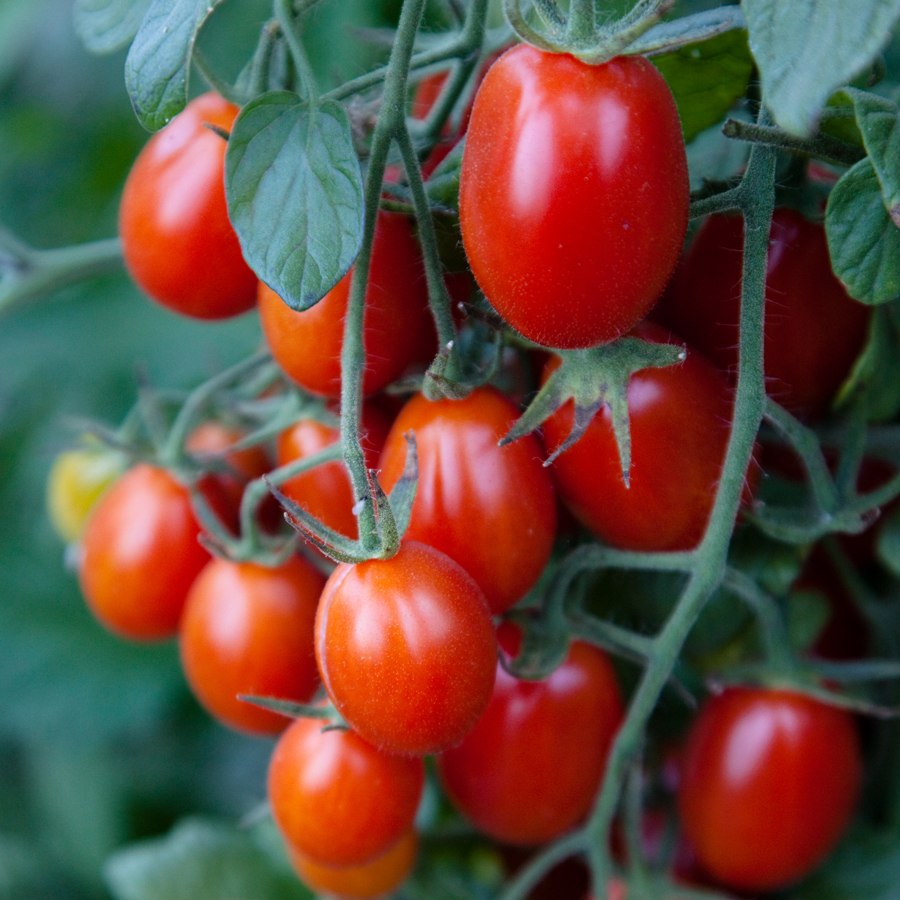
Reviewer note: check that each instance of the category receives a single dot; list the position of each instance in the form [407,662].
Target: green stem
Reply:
[775,636]
[725,202]
[820,146]
[290,26]
[219,85]
[530,874]
[582,17]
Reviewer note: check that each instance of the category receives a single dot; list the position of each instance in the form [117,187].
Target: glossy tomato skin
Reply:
[248,629]
[573,194]
[491,509]
[680,425]
[398,324]
[529,770]
[814,330]
[769,783]
[336,799]
[406,649]
[141,555]
[177,240]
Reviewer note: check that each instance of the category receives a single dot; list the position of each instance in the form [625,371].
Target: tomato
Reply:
[491,509]
[680,424]
[337,800]
[769,784]
[398,324]
[178,243]
[141,554]
[573,194]
[373,879]
[530,768]
[248,629]
[406,649]
[814,330]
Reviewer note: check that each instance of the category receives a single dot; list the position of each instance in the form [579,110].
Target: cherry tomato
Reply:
[178,243]
[378,878]
[573,194]
[530,768]
[769,784]
[406,649]
[398,325]
[491,509]
[141,554]
[248,629]
[814,330]
[680,425]
[337,800]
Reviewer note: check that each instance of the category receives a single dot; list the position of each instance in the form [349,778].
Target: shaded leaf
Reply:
[105,26]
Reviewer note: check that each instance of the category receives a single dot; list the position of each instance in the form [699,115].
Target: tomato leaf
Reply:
[295,194]
[807,48]
[713,157]
[863,241]
[105,26]
[158,65]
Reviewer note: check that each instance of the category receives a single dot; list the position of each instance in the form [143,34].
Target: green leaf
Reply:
[806,48]
[713,157]
[707,78]
[158,65]
[889,543]
[863,241]
[105,26]
[295,194]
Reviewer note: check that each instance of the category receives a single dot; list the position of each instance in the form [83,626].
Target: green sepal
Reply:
[403,494]
[545,645]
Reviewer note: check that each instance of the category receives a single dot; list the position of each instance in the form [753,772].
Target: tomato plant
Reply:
[178,243]
[769,783]
[573,194]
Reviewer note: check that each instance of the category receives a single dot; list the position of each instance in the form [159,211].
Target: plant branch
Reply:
[820,146]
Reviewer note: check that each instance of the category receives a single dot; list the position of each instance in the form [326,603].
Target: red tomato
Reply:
[573,194]
[337,800]
[680,425]
[398,325]
[141,555]
[490,508]
[814,330]
[769,784]
[178,243]
[406,649]
[530,768]
[248,629]
[374,879]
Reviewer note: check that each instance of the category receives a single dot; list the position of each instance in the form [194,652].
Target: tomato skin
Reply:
[398,325]
[573,194]
[529,770]
[814,330]
[491,509]
[248,629]
[406,649]
[769,784]
[177,240]
[141,555]
[337,800]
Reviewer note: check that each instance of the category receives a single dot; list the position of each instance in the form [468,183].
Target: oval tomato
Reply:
[573,194]
[769,782]
[814,330]
[529,770]
[141,554]
[398,325]
[178,243]
[337,800]
[406,649]
[491,509]
[248,629]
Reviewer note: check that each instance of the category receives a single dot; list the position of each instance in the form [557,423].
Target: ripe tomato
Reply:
[406,649]
[178,243]
[378,878]
[491,509]
[680,425]
[248,629]
[398,325]
[814,330]
[141,555]
[769,784]
[529,770]
[337,800]
[573,194]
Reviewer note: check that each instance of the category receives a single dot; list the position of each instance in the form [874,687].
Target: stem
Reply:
[219,85]
[775,636]
[290,26]
[529,875]
[820,146]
